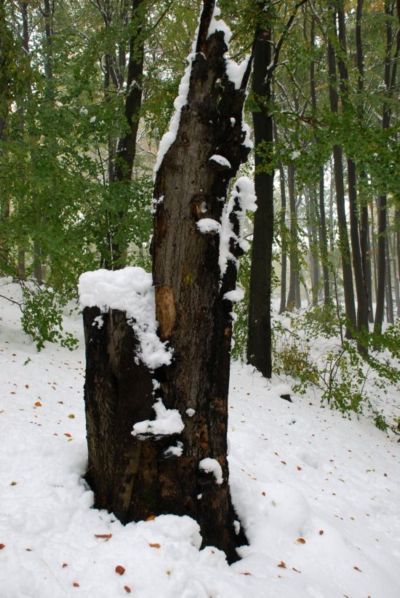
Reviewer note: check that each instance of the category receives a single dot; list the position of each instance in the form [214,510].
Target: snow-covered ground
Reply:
[319,496]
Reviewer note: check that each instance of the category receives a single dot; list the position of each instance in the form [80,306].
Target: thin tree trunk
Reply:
[363,205]
[390,75]
[340,195]
[294,277]
[395,270]
[323,238]
[312,219]
[283,232]
[131,475]
[126,146]
[388,285]
[374,253]
[259,350]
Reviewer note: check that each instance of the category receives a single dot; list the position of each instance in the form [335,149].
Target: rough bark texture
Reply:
[259,350]
[132,477]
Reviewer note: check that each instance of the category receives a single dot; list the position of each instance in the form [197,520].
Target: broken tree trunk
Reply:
[183,471]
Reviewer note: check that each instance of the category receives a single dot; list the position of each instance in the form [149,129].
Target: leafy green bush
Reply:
[42,317]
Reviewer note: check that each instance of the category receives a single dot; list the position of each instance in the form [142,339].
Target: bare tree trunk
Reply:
[294,278]
[312,219]
[388,285]
[194,316]
[323,238]
[390,76]
[395,270]
[283,232]
[340,195]
[373,254]
[363,204]
[259,350]
[122,151]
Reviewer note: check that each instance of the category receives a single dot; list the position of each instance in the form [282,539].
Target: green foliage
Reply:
[42,317]
[241,311]
[346,381]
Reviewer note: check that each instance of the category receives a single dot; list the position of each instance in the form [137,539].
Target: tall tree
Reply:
[339,183]
[266,59]
[137,477]
[392,54]
[359,273]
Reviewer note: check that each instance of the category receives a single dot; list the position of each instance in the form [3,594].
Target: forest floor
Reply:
[318,495]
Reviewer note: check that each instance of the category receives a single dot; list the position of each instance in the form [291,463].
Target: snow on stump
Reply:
[122,352]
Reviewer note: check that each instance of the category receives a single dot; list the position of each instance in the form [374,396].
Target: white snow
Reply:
[212,466]
[235,296]
[218,24]
[221,160]
[236,71]
[167,421]
[297,472]
[155,203]
[244,193]
[208,225]
[190,412]
[98,322]
[248,142]
[129,290]
[174,450]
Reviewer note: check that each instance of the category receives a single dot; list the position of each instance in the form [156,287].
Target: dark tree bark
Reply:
[340,195]
[259,350]
[266,57]
[193,317]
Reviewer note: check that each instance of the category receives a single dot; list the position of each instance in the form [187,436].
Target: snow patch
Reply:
[218,24]
[235,296]
[167,421]
[99,322]
[221,160]
[174,451]
[235,71]
[208,225]
[129,290]
[212,466]
[190,412]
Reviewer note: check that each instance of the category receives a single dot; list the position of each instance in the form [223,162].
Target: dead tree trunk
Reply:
[140,476]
